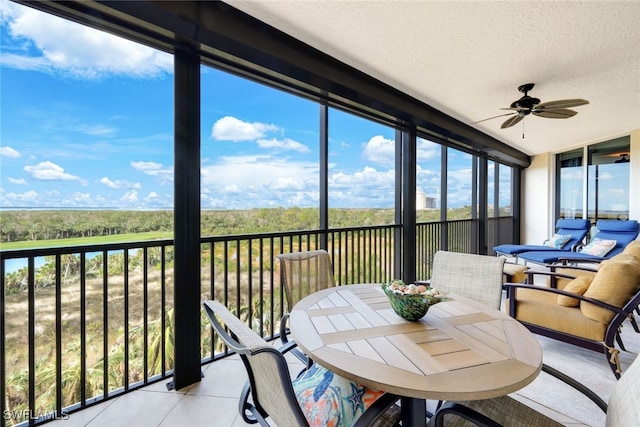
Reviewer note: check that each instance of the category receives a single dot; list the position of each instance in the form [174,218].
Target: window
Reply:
[259,153]
[361,171]
[570,184]
[606,190]
[608,180]
[504,191]
[428,180]
[459,184]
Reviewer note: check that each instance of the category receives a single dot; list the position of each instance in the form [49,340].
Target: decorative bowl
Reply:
[411,302]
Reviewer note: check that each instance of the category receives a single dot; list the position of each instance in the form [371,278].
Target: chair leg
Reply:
[244,407]
[613,358]
[284,339]
[633,322]
[620,343]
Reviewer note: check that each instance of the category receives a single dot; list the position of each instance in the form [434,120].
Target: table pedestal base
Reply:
[414,411]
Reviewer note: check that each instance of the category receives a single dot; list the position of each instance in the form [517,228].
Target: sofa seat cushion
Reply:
[515,273]
[541,308]
[617,280]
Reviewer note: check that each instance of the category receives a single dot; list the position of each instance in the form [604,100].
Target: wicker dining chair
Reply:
[622,409]
[301,274]
[317,397]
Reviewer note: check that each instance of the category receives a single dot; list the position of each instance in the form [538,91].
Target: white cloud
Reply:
[9,152]
[147,167]
[250,181]
[98,130]
[130,196]
[81,199]
[283,144]
[151,196]
[164,174]
[247,171]
[20,197]
[244,182]
[48,171]
[18,181]
[231,129]
[426,150]
[380,150]
[98,55]
[119,184]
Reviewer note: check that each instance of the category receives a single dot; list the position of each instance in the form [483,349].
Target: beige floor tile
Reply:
[224,378]
[195,411]
[140,408]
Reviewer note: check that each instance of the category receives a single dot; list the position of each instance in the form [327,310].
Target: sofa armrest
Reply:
[552,274]
[511,294]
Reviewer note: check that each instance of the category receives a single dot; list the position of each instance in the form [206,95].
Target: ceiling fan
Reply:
[526,105]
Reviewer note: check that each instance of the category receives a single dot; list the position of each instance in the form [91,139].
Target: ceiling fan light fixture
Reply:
[558,109]
[526,103]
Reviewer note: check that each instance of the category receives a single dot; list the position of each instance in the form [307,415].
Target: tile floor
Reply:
[213,401]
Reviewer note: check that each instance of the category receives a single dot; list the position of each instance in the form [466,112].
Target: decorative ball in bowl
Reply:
[411,302]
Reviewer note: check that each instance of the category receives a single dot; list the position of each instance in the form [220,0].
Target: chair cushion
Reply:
[541,308]
[557,241]
[598,247]
[328,399]
[579,285]
[617,225]
[616,281]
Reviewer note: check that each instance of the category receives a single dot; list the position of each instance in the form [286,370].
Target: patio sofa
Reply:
[585,311]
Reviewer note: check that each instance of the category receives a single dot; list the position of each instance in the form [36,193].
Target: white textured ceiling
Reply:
[467,58]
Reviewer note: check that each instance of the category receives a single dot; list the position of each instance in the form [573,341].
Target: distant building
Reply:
[421,200]
[424,202]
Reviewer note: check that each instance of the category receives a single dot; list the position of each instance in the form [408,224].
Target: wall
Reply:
[634,185]
[537,204]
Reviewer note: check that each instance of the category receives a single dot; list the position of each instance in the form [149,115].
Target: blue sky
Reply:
[87,122]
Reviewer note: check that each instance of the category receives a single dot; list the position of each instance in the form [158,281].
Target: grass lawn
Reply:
[116,238]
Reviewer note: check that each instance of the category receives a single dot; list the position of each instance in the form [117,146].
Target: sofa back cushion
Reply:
[633,248]
[616,282]
[579,286]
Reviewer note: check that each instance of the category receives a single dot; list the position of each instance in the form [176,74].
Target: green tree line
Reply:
[31,225]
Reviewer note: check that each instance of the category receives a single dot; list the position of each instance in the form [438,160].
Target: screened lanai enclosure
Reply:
[110,318]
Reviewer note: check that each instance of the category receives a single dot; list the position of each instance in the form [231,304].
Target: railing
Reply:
[457,236]
[83,324]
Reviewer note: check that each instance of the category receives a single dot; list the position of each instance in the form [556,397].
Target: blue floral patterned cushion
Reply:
[557,241]
[329,400]
[599,247]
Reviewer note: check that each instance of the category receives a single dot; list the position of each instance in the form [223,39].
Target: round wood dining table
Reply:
[461,349]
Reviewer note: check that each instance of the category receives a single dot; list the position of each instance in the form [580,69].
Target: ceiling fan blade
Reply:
[561,103]
[513,108]
[512,121]
[557,113]
[494,117]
